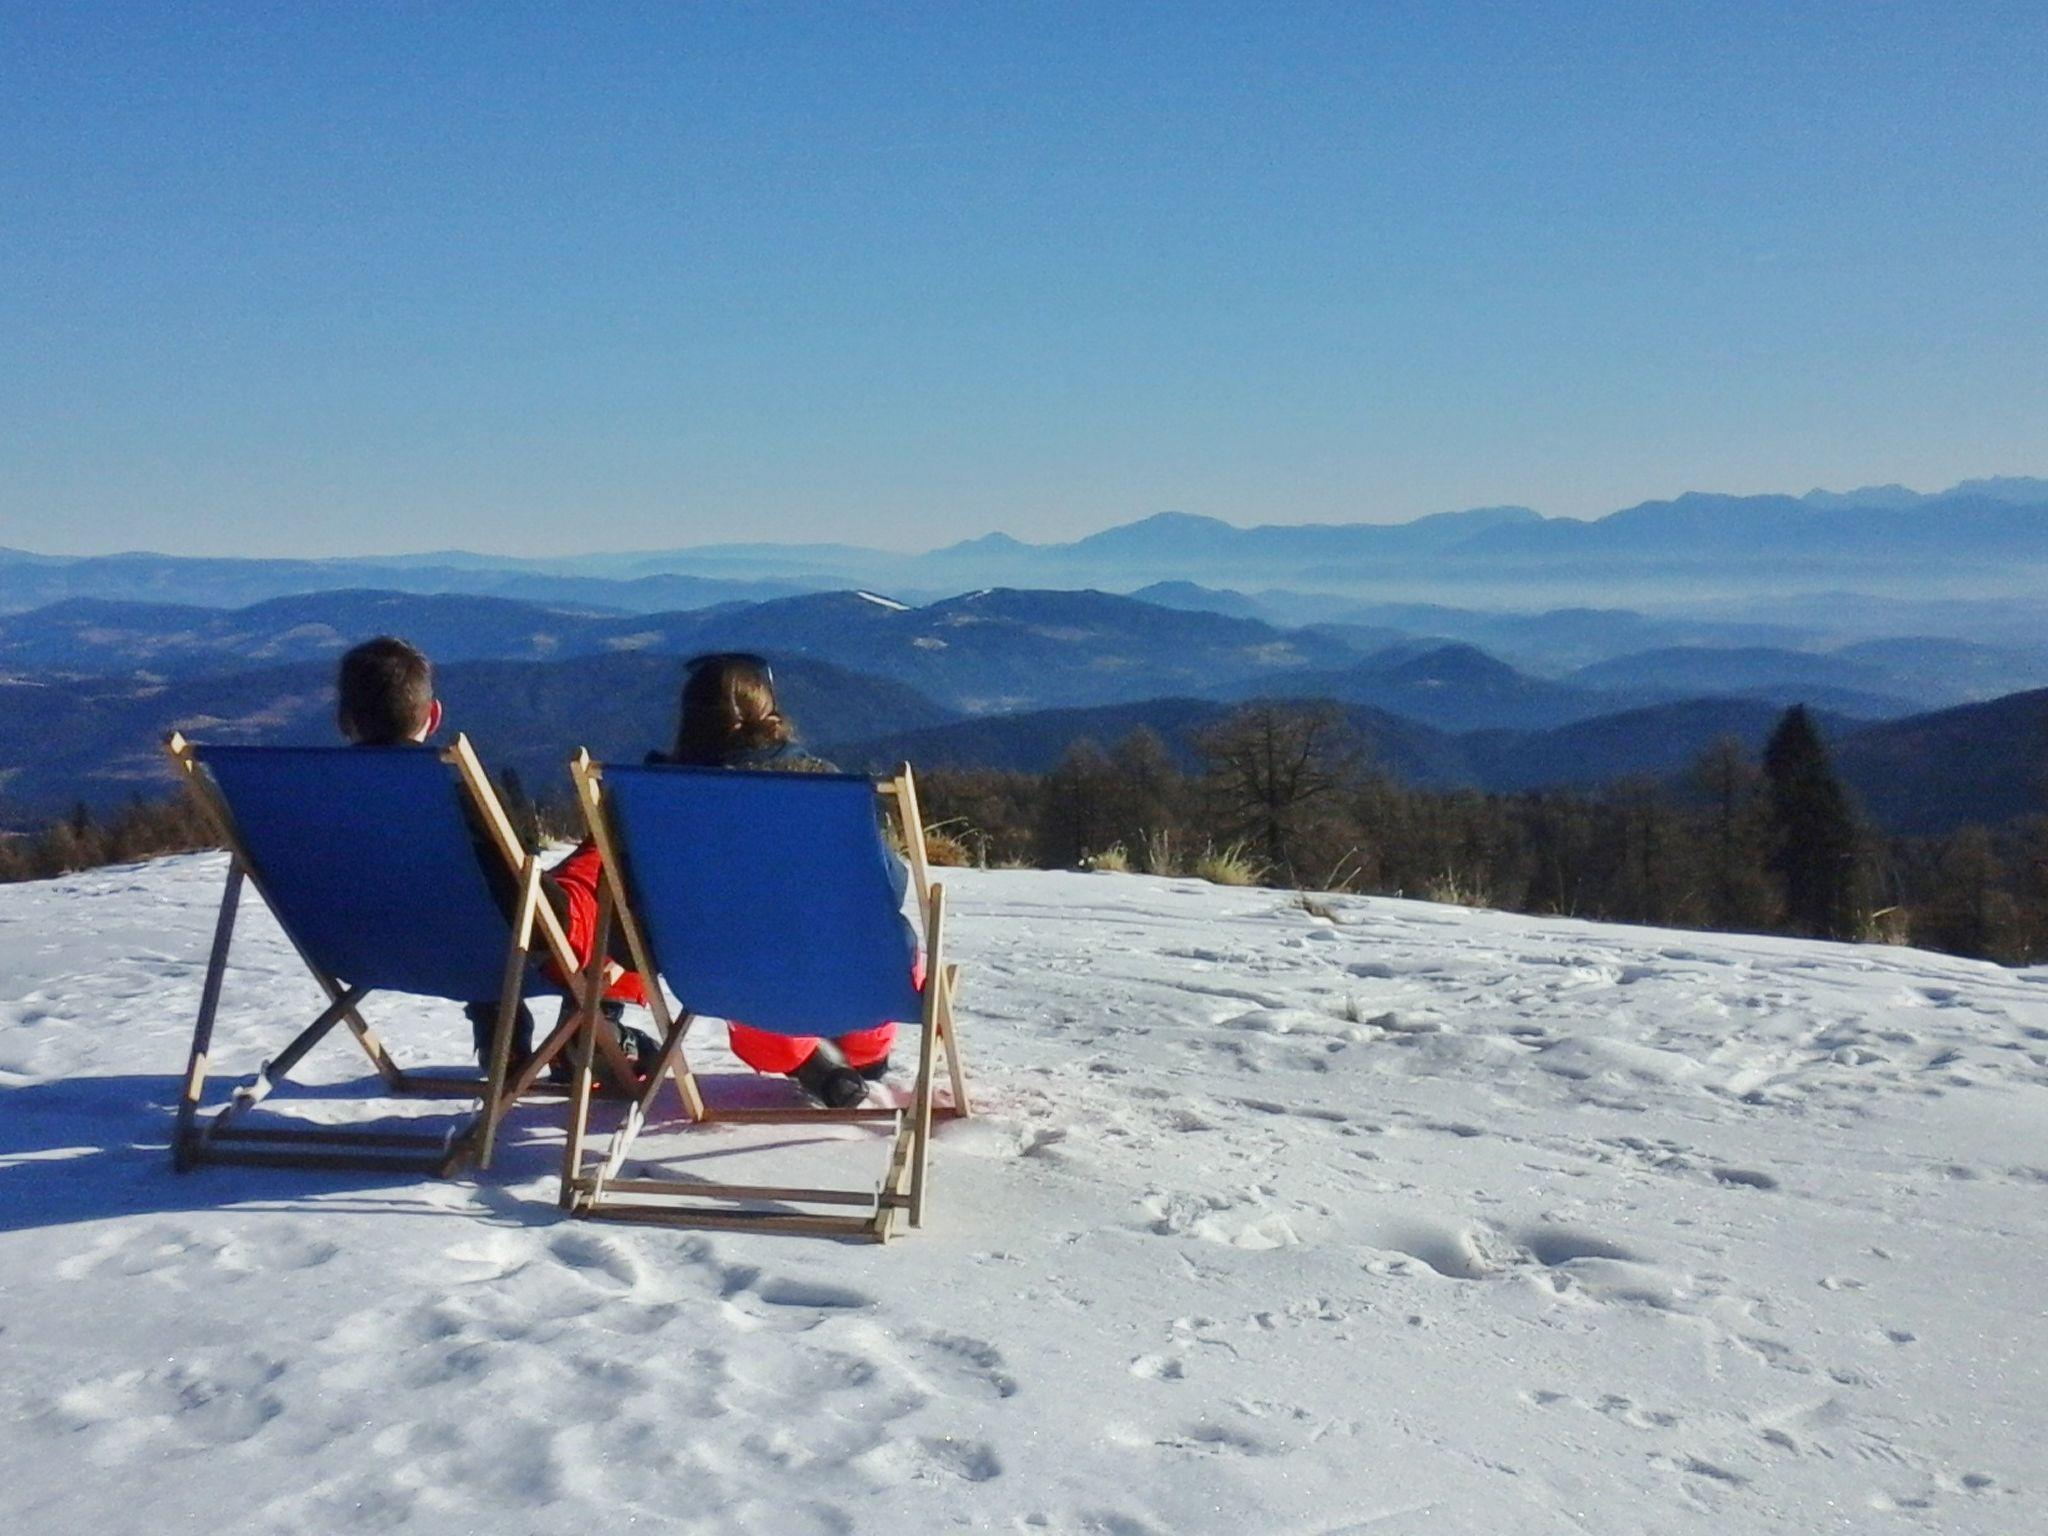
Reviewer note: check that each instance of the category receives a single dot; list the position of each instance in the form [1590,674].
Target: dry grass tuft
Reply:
[1232,865]
[1456,890]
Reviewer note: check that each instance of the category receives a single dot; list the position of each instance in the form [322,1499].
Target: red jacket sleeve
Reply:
[577,878]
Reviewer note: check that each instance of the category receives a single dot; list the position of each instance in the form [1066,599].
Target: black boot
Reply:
[826,1077]
[640,1047]
[483,1023]
[875,1071]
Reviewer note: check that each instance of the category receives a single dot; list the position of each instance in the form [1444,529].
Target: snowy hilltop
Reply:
[1365,1216]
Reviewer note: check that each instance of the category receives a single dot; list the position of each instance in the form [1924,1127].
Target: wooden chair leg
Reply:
[202,1029]
[511,987]
[927,1049]
[956,1065]
[592,1004]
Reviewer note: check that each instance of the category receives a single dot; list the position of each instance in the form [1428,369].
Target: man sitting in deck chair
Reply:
[769,898]
[379,863]
[384,697]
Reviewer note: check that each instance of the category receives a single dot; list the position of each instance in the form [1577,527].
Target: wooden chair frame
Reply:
[222,1139]
[759,1207]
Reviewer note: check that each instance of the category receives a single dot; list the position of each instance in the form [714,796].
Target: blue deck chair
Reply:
[766,898]
[366,858]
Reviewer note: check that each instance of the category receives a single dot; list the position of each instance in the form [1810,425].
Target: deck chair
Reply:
[763,897]
[366,859]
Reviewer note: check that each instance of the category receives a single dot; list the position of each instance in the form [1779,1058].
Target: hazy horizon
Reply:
[365,553]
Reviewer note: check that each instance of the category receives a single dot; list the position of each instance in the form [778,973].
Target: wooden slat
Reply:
[734,1221]
[796,1115]
[927,1048]
[682,1190]
[358,1162]
[338,1135]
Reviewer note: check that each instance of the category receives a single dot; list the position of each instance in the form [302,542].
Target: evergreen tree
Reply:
[1815,839]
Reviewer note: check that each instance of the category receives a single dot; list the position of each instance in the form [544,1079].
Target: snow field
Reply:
[1406,1219]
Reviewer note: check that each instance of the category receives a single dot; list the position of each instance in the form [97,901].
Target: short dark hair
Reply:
[383,693]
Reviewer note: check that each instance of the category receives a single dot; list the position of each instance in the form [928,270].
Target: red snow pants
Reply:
[577,877]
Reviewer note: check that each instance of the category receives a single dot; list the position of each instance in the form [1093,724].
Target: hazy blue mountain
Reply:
[1931,773]
[93,636]
[1953,671]
[1987,537]
[2022,490]
[1192,598]
[1694,670]
[1451,687]
[1556,641]
[1877,679]
[97,739]
[1004,650]
[1035,741]
[1851,704]
[985,652]
[34,582]
[1890,498]
[1659,742]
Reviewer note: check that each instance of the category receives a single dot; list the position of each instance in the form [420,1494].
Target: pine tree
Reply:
[1815,838]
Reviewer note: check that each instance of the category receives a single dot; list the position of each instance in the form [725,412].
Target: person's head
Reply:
[384,695]
[728,707]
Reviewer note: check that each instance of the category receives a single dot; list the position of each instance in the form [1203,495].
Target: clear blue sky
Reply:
[296,279]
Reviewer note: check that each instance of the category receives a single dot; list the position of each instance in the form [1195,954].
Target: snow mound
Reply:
[1415,1221]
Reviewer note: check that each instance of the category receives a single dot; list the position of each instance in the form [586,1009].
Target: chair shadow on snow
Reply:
[94,1148]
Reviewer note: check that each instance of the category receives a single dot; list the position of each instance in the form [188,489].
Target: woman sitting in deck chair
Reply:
[729,719]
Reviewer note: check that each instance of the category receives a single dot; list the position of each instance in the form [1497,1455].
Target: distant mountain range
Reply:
[1002,677]
[97,740]
[1005,650]
[34,581]
[1980,539]
[982,652]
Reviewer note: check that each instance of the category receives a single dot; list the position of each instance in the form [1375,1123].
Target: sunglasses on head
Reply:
[739,658]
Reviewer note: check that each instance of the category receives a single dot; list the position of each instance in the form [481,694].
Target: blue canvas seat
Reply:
[769,899]
[390,869]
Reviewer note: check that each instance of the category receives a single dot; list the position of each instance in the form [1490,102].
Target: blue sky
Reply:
[306,280]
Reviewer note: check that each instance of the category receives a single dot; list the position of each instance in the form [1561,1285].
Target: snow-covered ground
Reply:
[1417,1220]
